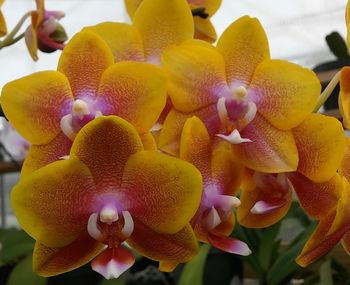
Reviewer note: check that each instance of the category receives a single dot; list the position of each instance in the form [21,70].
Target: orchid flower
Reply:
[241,95]
[3,26]
[266,197]
[155,26]
[109,191]
[214,220]
[202,11]
[44,32]
[49,108]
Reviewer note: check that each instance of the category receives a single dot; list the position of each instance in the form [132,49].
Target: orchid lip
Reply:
[213,219]
[234,137]
[93,228]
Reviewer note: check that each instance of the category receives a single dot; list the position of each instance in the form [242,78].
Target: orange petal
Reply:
[123,39]
[284,92]
[148,141]
[317,199]
[347,18]
[264,204]
[39,198]
[271,149]
[83,60]
[169,139]
[319,243]
[344,168]
[168,249]
[41,155]
[195,147]
[161,24]
[35,105]
[323,137]
[3,26]
[49,261]
[244,46]
[105,145]
[196,76]
[161,191]
[344,95]
[134,91]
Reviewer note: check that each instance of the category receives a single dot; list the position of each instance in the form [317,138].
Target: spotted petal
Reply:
[323,137]
[131,6]
[49,261]
[271,149]
[134,91]
[344,168]
[39,198]
[83,61]
[105,145]
[35,104]
[196,76]
[161,191]
[41,155]
[244,46]
[169,249]
[161,24]
[124,40]
[344,95]
[284,92]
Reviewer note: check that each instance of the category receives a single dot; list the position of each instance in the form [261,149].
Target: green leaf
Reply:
[285,264]
[14,245]
[337,45]
[193,270]
[267,245]
[23,274]
[326,273]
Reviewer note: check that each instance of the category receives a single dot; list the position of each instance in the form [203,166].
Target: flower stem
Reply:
[10,38]
[327,91]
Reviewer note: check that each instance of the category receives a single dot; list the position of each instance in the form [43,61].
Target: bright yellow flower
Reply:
[3,26]
[202,11]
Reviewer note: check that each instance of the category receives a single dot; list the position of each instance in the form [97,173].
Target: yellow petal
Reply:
[344,168]
[131,6]
[196,76]
[164,192]
[3,26]
[123,39]
[83,60]
[161,24]
[105,145]
[244,46]
[204,30]
[134,91]
[35,104]
[284,93]
[344,96]
[54,203]
[323,137]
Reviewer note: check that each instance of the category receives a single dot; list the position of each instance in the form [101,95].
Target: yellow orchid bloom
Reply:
[48,108]
[202,11]
[3,26]
[155,26]
[214,221]
[266,198]
[44,33]
[241,95]
[108,191]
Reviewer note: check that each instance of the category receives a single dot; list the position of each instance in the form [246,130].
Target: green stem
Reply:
[327,92]
[10,38]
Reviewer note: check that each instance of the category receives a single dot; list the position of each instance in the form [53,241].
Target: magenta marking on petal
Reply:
[229,244]
[113,262]
[262,207]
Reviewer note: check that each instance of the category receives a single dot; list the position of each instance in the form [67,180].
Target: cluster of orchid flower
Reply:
[144,137]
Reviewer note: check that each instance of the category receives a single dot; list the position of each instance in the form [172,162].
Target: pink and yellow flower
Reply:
[3,26]
[155,26]
[215,219]
[266,198]
[48,108]
[44,33]
[202,11]
[108,191]
[241,95]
